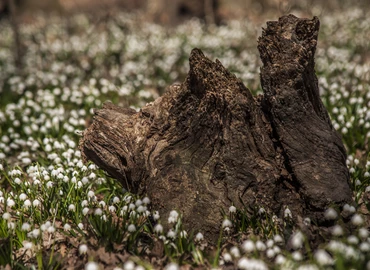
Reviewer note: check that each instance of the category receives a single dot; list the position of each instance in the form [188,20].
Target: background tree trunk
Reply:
[208,143]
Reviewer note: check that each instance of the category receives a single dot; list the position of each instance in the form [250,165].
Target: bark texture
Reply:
[209,143]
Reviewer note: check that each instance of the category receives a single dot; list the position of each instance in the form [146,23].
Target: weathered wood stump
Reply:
[208,143]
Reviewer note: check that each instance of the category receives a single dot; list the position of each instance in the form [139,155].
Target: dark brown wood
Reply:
[208,143]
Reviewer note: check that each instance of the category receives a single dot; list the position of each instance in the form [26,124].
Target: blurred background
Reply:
[172,12]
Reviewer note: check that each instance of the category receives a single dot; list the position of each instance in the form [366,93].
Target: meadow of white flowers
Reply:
[58,212]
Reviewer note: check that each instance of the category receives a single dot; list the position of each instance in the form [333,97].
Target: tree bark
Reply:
[208,143]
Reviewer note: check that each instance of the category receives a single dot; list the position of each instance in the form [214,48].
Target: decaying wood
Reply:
[208,143]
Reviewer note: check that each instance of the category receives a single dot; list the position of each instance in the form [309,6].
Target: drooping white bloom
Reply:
[129,265]
[6,216]
[337,230]
[255,264]
[67,227]
[158,228]
[83,249]
[72,207]
[146,200]
[131,228]
[287,213]
[171,234]
[91,266]
[323,258]
[173,216]
[234,251]
[280,259]
[297,240]
[226,223]
[248,246]
[260,245]
[357,220]
[232,209]
[26,226]
[172,266]
[330,214]
[98,212]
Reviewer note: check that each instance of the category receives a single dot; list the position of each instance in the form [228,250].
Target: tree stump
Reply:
[209,143]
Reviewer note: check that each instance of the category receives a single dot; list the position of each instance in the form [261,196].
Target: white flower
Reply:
[254,264]
[26,226]
[227,257]
[365,247]
[27,245]
[278,239]
[363,233]
[85,211]
[22,196]
[72,207]
[158,228]
[199,237]
[116,199]
[173,216]
[10,202]
[17,181]
[261,211]
[171,234]
[260,245]
[270,253]
[232,209]
[269,243]
[146,200]
[45,226]
[112,209]
[183,234]
[226,223]
[337,230]
[98,212]
[156,215]
[323,258]
[91,266]
[352,240]
[172,266]
[280,259]
[67,227]
[83,249]
[90,194]
[141,209]
[297,240]
[235,252]
[297,256]
[131,228]
[6,216]
[35,233]
[84,203]
[51,229]
[36,203]
[80,225]
[308,267]
[357,220]
[129,265]
[348,209]
[248,246]
[276,249]
[11,225]
[331,214]
[49,184]
[287,213]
